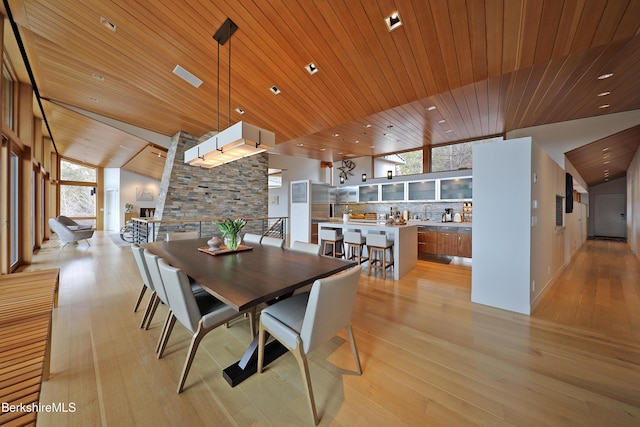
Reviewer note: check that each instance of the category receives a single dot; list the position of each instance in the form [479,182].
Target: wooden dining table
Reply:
[246,279]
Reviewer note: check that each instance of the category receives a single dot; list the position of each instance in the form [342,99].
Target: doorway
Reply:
[609,217]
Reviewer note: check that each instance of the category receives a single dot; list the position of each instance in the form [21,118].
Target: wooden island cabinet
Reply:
[445,240]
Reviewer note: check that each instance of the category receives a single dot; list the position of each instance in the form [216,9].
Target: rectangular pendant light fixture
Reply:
[235,142]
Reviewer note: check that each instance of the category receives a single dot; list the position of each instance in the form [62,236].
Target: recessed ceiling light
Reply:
[606,162]
[300,145]
[323,149]
[110,25]
[604,106]
[239,110]
[606,155]
[606,149]
[389,126]
[96,100]
[604,93]
[605,76]
[275,90]
[448,131]
[97,77]
[357,141]
[393,21]
[442,121]
[187,76]
[367,125]
[372,146]
[311,68]
[431,108]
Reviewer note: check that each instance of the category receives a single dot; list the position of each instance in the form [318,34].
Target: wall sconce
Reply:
[341,179]
[364,177]
[389,174]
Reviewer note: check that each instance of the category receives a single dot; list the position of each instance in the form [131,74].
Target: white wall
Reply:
[518,251]
[293,169]
[112,183]
[501,224]
[129,183]
[362,165]
[558,138]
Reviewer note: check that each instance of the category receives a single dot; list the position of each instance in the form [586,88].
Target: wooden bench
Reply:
[26,305]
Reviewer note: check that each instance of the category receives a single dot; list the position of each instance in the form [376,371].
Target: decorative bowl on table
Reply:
[214,243]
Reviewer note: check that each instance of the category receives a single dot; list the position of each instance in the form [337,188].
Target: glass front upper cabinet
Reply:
[368,193]
[392,192]
[456,189]
[422,190]
[347,195]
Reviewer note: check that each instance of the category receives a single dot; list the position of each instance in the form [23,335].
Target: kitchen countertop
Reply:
[439,223]
[409,223]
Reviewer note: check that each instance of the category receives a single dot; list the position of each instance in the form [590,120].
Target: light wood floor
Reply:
[429,356]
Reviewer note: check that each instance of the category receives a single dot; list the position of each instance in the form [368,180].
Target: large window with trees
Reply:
[454,156]
[412,165]
[14,208]
[78,192]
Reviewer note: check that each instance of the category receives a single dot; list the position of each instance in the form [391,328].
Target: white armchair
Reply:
[69,231]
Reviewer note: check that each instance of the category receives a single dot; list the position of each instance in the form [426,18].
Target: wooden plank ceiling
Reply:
[488,66]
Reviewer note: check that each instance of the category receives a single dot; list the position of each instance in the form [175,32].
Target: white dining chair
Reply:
[182,235]
[305,321]
[154,273]
[309,248]
[147,283]
[199,313]
[272,241]
[251,238]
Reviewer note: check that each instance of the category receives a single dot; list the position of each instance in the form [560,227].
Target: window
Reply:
[14,200]
[7,97]
[78,192]
[75,172]
[454,156]
[413,163]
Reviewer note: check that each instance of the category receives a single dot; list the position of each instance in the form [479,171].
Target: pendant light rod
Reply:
[222,35]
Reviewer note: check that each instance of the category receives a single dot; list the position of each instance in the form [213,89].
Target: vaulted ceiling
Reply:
[487,66]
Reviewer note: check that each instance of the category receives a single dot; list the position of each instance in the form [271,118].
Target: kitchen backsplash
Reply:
[433,210]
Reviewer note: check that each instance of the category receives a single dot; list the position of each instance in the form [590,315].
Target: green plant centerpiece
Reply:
[230,229]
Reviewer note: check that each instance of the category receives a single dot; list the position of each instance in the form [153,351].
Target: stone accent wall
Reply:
[237,189]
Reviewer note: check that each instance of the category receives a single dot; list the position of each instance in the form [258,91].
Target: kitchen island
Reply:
[405,240]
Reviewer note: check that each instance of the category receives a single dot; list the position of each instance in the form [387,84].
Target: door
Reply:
[610,220]
[111,220]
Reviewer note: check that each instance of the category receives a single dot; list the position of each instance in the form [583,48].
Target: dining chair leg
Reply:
[306,378]
[142,292]
[252,321]
[169,322]
[354,349]
[150,311]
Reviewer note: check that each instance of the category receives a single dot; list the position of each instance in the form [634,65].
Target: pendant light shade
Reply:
[237,141]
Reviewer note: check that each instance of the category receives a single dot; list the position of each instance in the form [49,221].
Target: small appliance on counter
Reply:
[457,217]
[447,216]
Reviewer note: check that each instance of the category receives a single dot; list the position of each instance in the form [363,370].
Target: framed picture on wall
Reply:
[144,194]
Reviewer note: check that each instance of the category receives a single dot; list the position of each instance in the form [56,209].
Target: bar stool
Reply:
[377,245]
[355,245]
[332,238]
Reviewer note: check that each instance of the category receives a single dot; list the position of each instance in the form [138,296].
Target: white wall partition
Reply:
[501,224]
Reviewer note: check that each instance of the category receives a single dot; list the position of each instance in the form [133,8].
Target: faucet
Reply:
[426,210]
